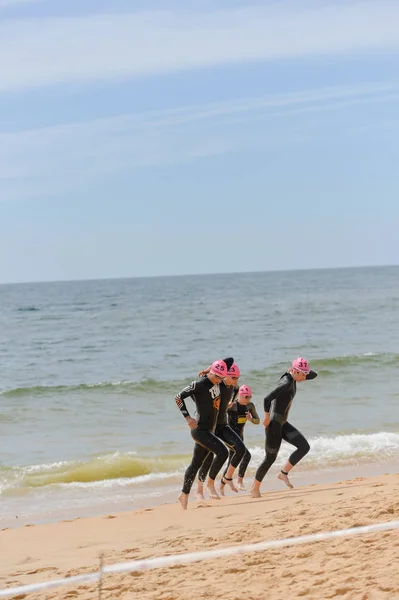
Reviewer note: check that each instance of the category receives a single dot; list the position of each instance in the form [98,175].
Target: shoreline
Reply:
[363,567]
[159,497]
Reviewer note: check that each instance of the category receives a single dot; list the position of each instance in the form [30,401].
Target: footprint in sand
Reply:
[342,591]
[319,582]
[130,551]
[234,570]
[304,554]
[42,570]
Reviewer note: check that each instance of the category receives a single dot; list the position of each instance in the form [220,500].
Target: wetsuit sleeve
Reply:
[311,375]
[181,396]
[255,416]
[235,394]
[274,395]
[229,361]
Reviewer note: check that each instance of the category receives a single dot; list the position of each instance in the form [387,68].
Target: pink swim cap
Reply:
[301,364]
[234,371]
[245,390]
[219,367]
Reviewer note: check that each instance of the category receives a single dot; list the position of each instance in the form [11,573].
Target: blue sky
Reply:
[168,137]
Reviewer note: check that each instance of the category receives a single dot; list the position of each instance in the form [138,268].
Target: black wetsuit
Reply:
[278,404]
[225,432]
[206,396]
[237,415]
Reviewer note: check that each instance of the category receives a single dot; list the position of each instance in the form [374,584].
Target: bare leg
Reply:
[199,496]
[212,490]
[237,451]
[228,478]
[183,499]
[255,489]
[229,482]
[283,475]
[240,484]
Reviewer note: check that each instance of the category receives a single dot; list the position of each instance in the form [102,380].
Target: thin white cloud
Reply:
[69,156]
[47,51]
[12,3]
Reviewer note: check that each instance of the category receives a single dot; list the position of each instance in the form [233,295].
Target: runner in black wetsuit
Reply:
[277,405]
[239,412]
[228,390]
[206,394]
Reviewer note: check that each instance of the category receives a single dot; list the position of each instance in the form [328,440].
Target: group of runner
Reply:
[223,408]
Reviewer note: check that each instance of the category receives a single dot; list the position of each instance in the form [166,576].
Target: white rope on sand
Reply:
[181,559]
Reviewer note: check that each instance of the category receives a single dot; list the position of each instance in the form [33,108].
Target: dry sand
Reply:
[360,567]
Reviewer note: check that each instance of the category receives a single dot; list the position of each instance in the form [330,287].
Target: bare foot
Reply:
[212,492]
[199,496]
[240,486]
[255,493]
[284,478]
[183,499]
[230,483]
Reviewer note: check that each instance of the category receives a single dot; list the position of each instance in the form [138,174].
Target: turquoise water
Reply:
[90,370]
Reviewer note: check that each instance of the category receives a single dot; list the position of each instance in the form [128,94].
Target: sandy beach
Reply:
[361,567]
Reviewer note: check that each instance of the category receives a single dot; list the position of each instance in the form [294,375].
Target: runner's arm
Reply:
[255,416]
[181,396]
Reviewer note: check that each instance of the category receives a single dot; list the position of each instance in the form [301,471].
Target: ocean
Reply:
[89,371]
